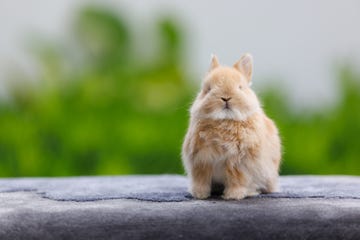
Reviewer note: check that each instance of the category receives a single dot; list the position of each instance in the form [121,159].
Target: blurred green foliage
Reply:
[103,108]
[323,141]
[100,108]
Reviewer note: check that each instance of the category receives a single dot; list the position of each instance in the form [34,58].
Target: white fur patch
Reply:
[233,114]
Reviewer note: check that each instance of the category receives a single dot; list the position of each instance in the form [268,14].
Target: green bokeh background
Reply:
[98,106]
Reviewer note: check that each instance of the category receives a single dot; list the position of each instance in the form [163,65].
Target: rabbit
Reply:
[230,140]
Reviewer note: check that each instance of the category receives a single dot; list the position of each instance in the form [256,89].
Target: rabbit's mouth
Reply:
[227,106]
[228,111]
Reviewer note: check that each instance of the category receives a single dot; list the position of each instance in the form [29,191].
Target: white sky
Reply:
[296,42]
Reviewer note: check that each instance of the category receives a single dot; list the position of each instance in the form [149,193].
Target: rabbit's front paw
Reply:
[200,192]
[234,194]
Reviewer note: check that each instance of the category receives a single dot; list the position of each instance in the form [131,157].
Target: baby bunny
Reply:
[230,140]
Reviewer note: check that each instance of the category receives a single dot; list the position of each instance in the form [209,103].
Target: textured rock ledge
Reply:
[158,207]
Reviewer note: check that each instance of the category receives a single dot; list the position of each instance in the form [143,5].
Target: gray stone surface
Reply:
[158,207]
[170,188]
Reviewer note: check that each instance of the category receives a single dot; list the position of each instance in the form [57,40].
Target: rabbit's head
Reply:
[226,92]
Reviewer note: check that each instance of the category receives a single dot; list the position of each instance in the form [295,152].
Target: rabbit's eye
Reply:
[240,87]
[207,89]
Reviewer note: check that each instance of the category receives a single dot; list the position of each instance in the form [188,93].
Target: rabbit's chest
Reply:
[226,138]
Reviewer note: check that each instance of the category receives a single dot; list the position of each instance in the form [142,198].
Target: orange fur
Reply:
[230,140]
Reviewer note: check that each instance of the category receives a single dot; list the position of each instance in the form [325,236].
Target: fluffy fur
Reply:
[230,140]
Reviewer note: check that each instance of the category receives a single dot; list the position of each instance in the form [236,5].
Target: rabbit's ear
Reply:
[245,66]
[214,62]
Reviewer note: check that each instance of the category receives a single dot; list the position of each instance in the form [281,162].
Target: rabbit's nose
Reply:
[226,99]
